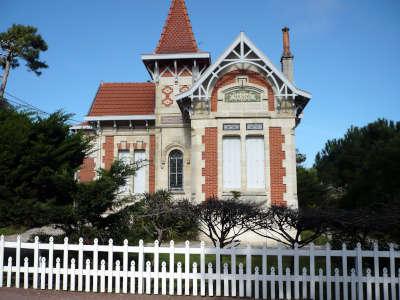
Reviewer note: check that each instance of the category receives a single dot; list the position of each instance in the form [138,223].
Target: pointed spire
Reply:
[177,35]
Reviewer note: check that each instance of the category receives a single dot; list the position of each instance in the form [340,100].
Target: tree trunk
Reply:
[4,78]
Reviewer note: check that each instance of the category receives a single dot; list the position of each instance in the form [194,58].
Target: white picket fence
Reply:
[326,273]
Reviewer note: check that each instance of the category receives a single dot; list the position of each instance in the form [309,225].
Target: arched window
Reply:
[176,170]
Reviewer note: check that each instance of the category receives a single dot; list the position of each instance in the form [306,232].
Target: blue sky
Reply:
[346,52]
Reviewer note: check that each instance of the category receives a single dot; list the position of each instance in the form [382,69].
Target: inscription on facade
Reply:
[169,120]
[244,94]
[254,126]
[230,127]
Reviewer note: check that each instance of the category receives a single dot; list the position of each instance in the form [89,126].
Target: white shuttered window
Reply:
[255,158]
[139,184]
[231,163]
[124,156]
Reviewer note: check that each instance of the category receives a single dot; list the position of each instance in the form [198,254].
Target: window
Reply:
[139,182]
[232,173]
[255,158]
[176,170]
[124,157]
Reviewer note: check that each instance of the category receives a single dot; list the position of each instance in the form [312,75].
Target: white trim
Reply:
[121,118]
[242,38]
[81,127]
[175,56]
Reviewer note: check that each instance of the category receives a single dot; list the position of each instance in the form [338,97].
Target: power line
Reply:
[23,103]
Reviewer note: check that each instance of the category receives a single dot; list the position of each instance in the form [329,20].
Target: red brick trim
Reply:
[277,171]
[152,168]
[108,148]
[210,157]
[139,146]
[124,146]
[254,78]
[87,172]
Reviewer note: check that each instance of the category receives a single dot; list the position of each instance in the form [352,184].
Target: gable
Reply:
[244,55]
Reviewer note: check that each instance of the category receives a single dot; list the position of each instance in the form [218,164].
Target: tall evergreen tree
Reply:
[18,43]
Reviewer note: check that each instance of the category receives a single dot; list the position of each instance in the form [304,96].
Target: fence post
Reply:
[132,276]
[87,276]
[36,262]
[218,270]
[148,278]
[385,284]
[140,267]
[72,284]
[164,278]
[26,273]
[18,262]
[156,266]
[376,271]
[43,274]
[321,283]
[102,276]
[80,265]
[369,287]
[210,280]
[95,264]
[248,271]
[179,279]
[1,259]
[337,284]
[233,271]
[296,272]
[360,272]
[264,273]
[312,272]
[241,283]
[328,272]
[125,268]
[273,279]
[58,272]
[187,268]
[171,268]
[110,266]
[256,283]
[50,263]
[392,272]
[195,291]
[288,285]
[345,272]
[65,265]
[304,284]
[9,268]
[226,281]
[280,273]
[353,284]
[202,270]
[117,277]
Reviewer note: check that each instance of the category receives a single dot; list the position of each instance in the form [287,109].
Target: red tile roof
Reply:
[122,99]
[177,35]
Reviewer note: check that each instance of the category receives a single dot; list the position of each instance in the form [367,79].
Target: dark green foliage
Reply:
[311,192]
[364,165]
[23,42]
[38,160]
[91,213]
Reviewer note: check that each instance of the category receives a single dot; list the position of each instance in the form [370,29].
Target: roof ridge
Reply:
[177,35]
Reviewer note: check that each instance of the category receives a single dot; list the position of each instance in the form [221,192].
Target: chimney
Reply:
[287,56]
